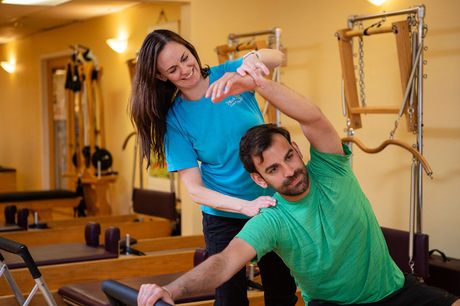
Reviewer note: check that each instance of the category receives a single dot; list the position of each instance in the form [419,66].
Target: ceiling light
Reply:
[118,45]
[9,67]
[35,2]
[377,2]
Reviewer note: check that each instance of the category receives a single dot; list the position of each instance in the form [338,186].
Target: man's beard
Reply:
[298,188]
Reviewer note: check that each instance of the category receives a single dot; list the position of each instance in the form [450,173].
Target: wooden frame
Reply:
[345,36]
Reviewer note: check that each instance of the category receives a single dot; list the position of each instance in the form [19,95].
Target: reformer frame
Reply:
[410,47]
[233,46]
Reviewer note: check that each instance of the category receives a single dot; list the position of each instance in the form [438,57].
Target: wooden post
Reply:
[404,47]
[349,79]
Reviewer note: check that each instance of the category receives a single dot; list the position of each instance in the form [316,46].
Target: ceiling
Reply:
[17,21]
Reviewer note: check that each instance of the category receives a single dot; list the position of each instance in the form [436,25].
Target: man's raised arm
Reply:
[315,126]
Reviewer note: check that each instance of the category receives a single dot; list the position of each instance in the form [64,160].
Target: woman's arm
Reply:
[200,194]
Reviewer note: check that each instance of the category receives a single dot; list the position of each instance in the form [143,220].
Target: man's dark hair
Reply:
[256,140]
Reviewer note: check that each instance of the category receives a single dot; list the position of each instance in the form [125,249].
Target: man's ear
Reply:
[296,147]
[161,77]
[259,180]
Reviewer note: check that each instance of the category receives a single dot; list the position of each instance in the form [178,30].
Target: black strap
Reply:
[443,256]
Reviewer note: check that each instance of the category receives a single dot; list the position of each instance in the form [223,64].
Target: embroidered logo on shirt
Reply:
[233,100]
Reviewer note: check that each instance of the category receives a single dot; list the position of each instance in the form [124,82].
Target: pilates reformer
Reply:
[409,34]
[153,227]
[91,249]
[43,202]
[91,293]
[235,45]
[164,255]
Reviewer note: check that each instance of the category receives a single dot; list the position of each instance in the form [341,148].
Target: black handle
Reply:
[21,250]
[122,295]
[443,256]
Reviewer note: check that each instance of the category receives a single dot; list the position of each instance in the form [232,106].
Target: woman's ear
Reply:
[259,180]
[161,77]
[296,147]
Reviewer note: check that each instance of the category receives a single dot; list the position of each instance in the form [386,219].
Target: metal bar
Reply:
[277,70]
[31,295]
[421,28]
[409,83]
[12,283]
[368,32]
[355,18]
[413,178]
[45,291]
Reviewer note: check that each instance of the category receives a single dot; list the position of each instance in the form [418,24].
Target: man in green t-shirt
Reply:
[323,226]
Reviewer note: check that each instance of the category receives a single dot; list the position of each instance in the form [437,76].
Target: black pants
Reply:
[279,286]
[413,293]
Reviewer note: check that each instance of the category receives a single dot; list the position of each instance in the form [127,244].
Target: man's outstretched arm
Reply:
[210,274]
[315,126]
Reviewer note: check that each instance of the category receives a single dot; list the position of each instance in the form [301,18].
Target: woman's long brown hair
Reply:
[151,98]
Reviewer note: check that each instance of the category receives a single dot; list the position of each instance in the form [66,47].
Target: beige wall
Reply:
[313,69]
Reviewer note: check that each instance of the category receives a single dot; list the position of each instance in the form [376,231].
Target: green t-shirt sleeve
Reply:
[329,165]
[260,233]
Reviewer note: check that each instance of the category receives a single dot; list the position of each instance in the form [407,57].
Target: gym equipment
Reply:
[234,46]
[21,250]
[119,295]
[409,35]
[10,220]
[162,257]
[54,254]
[91,294]
[444,272]
[42,201]
[85,130]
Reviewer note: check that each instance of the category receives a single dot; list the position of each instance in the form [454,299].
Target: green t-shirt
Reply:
[331,239]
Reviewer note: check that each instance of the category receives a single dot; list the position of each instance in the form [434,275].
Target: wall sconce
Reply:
[118,45]
[377,2]
[9,67]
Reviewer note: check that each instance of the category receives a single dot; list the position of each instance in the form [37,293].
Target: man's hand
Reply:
[253,207]
[231,84]
[253,66]
[149,294]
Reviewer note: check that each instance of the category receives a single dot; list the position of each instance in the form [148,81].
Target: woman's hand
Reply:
[149,294]
[231,84]
[253,207]
[253,66]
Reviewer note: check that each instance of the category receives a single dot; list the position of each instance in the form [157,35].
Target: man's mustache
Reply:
[289,180]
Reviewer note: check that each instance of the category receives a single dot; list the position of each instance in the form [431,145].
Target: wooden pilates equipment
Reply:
[45,206]
[234,48]
[155,227]
[409,35]
[85,131]
[387,143]
[161,261]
